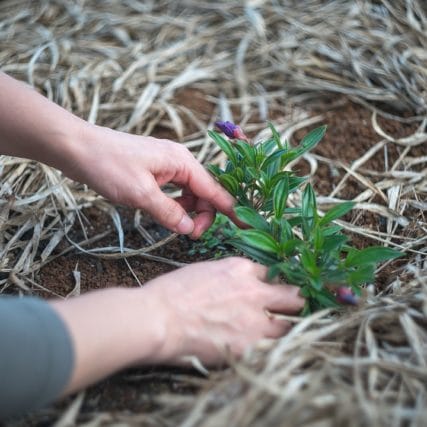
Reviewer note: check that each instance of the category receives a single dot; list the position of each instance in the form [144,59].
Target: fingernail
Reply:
[185,226]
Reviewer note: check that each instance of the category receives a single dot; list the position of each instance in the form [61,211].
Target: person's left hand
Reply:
[129,169]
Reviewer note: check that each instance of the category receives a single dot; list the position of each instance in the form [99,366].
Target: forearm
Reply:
[33,127]
[111,330]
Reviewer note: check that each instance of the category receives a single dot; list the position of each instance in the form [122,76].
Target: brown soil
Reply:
[349,135]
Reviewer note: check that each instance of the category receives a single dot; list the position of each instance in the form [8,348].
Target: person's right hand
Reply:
[213,306]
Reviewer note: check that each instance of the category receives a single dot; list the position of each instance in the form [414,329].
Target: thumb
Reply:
[168,212]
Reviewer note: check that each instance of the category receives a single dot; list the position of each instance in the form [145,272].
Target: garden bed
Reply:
[136,390]
[170,69]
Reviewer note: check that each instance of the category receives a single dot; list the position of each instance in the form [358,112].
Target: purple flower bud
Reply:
[346,296]
[231,130]
[226,128]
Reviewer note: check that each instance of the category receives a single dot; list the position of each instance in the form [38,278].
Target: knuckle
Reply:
[183,150]
[239,264]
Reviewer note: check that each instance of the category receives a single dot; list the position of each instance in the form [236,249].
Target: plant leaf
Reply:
[310,140]
[275,156]
[260,240]
[309,207]
[289,246]
[370,255]
[363,274]
[230,183]
[215,170]
[332,243]
[336,212]
[251,217]
[280,196]
[247,152]
[308,210]
[224,145]
[276,136]
[258,255]
[267,147]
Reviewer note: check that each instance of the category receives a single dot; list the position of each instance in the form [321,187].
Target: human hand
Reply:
[125,168]
[199,310]
[210,306]
[129,169]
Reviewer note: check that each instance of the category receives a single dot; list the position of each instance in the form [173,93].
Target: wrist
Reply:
[66,146]
[110,330]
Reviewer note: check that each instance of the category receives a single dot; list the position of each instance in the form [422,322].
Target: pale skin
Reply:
[205,309]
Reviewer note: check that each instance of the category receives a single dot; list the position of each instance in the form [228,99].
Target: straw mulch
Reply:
[121,64]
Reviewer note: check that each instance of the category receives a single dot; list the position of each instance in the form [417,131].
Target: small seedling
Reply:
[299,245]
[213,240]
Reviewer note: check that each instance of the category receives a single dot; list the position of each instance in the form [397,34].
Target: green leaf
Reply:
[250,174]
[308,261]
[251,217]
[273,168]
[276,136]
[306,311]
[294,273]
[280,196]
[318,238]
[225,146]
[247,152]
[310,140]
[334,276]
[286,230]
[326,299]
[309,207]
[308,210]
[336,212]
[273,272]
[260,240]
[364,274]
[267,147]
[230,183]
[289,246]
[215,170]
[275,156]
[371,255]
[293,211]
[331,243]
[295,182]
[258,255]
[298,220]
[331,230]
[239,174]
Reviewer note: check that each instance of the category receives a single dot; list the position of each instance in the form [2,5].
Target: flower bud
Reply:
[345,295]
[231,130]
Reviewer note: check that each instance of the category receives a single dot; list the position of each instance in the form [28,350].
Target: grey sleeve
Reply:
[36,355]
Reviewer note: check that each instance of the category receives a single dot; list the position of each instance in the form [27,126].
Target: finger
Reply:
[203,185]
[167,211]
[204,218]
[283,299]
[202,222]
[277,327]
[187,201]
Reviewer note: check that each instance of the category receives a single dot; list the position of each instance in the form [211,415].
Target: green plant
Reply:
[299,245]
[214,239]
